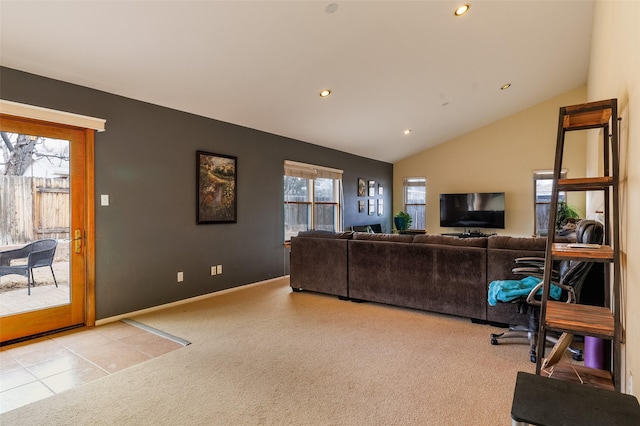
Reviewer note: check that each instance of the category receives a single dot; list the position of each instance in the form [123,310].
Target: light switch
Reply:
[104,199]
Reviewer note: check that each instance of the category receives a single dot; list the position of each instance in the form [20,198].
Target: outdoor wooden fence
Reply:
[33,208]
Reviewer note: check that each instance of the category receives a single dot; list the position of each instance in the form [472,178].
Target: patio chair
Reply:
[38,254]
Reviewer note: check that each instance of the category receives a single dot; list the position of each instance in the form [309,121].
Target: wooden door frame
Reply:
[89,223]
[88,219]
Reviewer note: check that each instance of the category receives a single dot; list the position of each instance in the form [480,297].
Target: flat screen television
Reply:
[472,210]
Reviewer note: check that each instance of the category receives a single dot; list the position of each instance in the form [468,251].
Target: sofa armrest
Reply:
[319,264]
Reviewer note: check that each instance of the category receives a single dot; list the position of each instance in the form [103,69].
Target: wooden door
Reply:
[70,302]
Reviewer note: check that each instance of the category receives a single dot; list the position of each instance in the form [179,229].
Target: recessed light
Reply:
[407,131]
[461,10]
[324,93]
[505,86]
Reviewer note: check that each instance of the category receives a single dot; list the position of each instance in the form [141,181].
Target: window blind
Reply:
[415,182]
[310,171]
[548,174]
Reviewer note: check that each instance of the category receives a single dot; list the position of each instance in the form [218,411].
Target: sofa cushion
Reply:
[326,234]
[398,238]
[433,277]
[516,243]
[451,241]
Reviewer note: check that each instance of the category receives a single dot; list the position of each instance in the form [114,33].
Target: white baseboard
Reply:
[185,301]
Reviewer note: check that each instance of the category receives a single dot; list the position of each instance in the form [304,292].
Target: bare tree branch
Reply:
[7,142]
[22,152]
[21,157]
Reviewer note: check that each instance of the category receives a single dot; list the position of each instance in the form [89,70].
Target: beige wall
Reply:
[503,155]
[500,157]
[615,73]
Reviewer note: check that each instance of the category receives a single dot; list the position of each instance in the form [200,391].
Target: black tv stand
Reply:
[470,234]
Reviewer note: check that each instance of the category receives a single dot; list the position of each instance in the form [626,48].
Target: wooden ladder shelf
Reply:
[596,321]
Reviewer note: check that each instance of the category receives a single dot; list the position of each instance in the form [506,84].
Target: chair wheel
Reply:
[578,357]
[533,358]
[494,341]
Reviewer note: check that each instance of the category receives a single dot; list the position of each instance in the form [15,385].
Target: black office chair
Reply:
[568,275]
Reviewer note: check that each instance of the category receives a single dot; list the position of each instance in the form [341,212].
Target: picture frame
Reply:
[362,187]
[380,207]
[380,189]
[372,188]
[372,207]
[216,188]
[360,206]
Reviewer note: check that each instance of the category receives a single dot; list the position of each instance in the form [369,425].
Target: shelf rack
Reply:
[597,321]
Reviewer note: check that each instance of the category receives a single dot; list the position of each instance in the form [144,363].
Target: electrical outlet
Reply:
[213,270]
[180,277]
[219,269]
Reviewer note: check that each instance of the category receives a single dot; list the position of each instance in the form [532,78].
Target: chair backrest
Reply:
[574,272]
[589,232]
[42,252]
[374,228]
[361,228]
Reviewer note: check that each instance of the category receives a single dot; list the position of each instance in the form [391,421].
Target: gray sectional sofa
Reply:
[434,273]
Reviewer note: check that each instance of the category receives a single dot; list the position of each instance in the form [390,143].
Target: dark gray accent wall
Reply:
[145,162]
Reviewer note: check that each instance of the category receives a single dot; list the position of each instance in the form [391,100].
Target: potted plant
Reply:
[566,214]
[402,221]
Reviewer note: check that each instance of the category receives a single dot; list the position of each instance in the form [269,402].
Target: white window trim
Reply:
[420,181]
[311,171]
[51,115]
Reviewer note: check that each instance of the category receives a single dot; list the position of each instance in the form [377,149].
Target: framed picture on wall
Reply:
[361,206]
[372,206]
[380,207]
[362,187]
[372,188]
[216,188]
[380,189]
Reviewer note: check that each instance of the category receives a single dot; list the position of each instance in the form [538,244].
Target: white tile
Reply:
[23,395]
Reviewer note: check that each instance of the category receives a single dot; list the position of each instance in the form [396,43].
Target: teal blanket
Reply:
[508,290]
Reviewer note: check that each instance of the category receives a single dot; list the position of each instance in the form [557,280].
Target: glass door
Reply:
[42,227]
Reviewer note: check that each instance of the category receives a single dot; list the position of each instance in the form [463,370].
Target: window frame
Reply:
[562,195]
[312,173]
[415,181]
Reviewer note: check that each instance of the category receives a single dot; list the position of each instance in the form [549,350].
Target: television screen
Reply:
[472,210]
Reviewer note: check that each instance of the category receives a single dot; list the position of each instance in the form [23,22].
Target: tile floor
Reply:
[39,368]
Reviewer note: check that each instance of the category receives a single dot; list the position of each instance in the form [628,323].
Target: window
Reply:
[312,198]
[543,184]
[415,200]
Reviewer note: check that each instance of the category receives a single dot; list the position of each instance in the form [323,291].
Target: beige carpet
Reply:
[266,356]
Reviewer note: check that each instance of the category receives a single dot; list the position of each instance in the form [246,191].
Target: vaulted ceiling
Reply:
[390,65]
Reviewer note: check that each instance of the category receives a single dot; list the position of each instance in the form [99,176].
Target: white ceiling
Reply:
[391,65]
